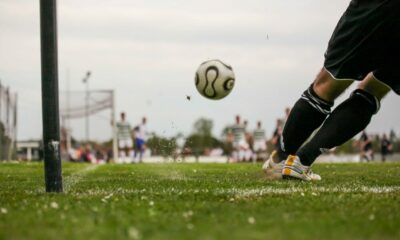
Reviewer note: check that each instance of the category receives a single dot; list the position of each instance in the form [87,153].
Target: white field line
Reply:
[76,177]
[245,192]
[312,190]
[173,175]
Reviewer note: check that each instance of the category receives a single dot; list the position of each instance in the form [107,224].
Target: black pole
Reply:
[50,111]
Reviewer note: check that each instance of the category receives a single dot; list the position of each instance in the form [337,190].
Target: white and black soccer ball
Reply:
[214,79]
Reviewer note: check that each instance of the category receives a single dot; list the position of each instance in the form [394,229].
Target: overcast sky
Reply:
[148,51]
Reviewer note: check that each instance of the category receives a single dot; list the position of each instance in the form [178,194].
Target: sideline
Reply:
[76,177]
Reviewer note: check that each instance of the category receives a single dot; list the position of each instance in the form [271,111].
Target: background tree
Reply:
[201,140]
[161,146]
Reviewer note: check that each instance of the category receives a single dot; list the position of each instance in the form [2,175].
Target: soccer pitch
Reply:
[200,201]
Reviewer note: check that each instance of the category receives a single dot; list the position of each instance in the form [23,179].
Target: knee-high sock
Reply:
[306,115]
[347,120]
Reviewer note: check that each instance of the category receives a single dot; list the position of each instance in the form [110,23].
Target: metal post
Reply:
[1,99]
[15,123]
[2,132]
[87,111]
[50,107]
[7,123]
[114,128]
[86,81]
[13,129]
[67,120]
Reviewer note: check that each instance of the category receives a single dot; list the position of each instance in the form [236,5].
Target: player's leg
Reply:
[306,116]
[309,112]
[249,155]
[126,152]
[125,149]
[141,150]
[362,155]
[257,149]
[372,155]
[135,150]
[235,152]
[129,144]
[383,155]
[347,120]
[246,151]
[121,151]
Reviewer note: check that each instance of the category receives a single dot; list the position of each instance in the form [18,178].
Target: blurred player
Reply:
[140,133]
[366,150]
[392,136]
[276,136]
[272,170]
[260,145]
[287,113]
[386,147]
[364,47]
[124,140]
[240,145]
[248,153]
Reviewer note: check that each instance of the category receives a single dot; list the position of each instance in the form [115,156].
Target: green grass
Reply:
[200,201]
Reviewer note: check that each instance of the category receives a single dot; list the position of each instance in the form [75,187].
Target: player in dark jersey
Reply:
[364,47]
[386,147]
[276,136]
[366,149]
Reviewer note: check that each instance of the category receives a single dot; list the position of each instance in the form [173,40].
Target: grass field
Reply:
[200,201]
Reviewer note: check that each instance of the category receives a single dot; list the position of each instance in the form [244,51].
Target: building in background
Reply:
[30,150]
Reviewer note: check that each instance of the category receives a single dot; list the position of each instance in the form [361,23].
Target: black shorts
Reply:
[367,39]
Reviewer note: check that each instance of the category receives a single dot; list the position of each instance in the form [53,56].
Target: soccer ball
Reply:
[214,79]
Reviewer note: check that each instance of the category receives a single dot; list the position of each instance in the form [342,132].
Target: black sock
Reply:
[306,115]
[347,120]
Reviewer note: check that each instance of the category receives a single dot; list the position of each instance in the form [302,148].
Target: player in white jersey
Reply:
[259,145]
[140,140]
[240,145]
[248,152]
[125,145]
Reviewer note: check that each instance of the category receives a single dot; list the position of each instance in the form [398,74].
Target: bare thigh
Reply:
[328,88]
[373,86]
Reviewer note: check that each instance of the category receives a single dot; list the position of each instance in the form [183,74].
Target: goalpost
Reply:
[50,108]
[75,105]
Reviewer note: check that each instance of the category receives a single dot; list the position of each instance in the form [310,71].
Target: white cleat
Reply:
[293,169]
[271,169]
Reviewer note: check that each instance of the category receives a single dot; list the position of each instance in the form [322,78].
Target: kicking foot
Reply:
[272,169]
[293,169]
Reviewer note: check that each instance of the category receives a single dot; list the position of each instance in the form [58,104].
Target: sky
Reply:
[148,52]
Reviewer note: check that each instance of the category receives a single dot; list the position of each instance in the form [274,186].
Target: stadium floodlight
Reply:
[50,108]
[86,82]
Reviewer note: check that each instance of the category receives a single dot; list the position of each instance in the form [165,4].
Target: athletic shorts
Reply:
[260,146]
[125,143]
[367,39]
[139,143]
[241,144]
